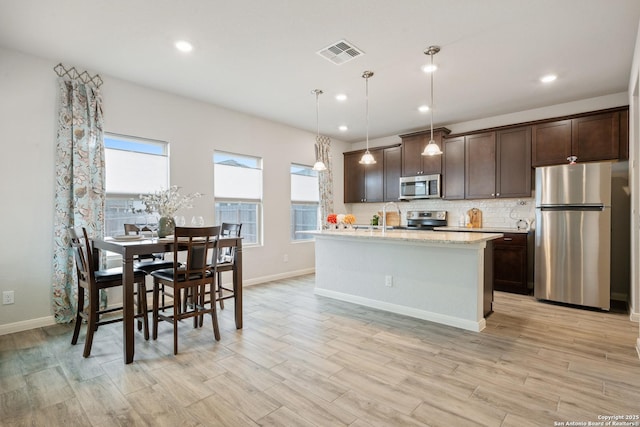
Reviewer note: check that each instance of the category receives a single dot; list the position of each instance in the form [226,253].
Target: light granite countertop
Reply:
[448,237]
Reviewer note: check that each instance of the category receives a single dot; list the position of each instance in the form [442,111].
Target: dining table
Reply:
[129,249]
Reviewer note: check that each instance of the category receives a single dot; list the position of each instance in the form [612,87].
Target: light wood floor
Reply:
[303,360]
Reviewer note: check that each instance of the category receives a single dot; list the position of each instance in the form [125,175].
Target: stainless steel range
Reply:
[426,220]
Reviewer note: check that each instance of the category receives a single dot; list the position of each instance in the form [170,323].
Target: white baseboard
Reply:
[469,325]
[634,316]
[25,325]
[638,347]
[273,277]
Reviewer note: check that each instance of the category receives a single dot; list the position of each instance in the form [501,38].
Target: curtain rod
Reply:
[74,74]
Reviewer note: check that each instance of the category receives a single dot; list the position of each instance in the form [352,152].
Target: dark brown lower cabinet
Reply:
[510,263]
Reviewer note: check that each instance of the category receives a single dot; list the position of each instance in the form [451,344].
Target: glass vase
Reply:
[166,226]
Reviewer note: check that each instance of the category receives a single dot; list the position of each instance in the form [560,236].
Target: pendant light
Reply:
[319,164]
[432,148]
[367,157]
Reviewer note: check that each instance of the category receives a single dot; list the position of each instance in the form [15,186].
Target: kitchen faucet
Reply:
[384,214]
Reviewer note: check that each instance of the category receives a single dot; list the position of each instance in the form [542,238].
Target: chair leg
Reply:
[91,324]
[197,300]
[154,314]
[214,313]
[220,290]
[139,307]
[142,308]
[176,312]
[76,329]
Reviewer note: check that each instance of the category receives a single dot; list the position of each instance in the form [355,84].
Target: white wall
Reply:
[193,129]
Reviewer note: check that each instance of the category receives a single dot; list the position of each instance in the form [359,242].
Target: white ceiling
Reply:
[259,56]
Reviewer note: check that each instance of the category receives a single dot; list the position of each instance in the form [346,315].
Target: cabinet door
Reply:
[510,263]
[480,166]
[353,178]
[513,162]
[596,137]
[392,171]
[374,178]
[412,155]
[453,176]
[413,162]
[550,143]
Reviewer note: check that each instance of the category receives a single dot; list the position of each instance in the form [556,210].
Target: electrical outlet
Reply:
[285,258]
[388,281]
[7,297]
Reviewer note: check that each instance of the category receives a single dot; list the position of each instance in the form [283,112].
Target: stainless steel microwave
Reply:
[420,187]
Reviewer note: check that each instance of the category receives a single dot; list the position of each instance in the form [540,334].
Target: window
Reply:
[305,201]
[237,188]
[134,166]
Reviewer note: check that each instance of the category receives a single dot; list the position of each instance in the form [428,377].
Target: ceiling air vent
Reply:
[340,52]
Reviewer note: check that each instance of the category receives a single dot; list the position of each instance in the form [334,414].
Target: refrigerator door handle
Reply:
[572,208]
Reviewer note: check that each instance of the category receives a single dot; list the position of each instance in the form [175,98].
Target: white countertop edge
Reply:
[483,229]
[427,237]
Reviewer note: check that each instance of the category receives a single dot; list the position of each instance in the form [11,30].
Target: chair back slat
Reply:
[82,252]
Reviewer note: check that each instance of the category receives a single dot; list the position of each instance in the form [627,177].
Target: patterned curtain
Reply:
[80,184]
[326,178]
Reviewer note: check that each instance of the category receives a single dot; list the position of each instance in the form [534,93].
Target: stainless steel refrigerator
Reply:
[573,234]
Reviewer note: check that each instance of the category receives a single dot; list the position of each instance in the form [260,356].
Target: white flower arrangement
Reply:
[168,202]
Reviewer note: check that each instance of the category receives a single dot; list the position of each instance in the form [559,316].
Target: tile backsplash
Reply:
[500,213]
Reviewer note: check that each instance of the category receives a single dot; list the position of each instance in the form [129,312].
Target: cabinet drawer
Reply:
[515,239]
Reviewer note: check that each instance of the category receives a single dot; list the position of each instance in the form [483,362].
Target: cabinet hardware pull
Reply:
[508,239]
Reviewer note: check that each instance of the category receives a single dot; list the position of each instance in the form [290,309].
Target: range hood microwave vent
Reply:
[340,52]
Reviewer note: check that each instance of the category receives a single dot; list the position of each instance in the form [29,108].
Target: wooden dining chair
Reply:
[188,280]
[91,281]
[226,259]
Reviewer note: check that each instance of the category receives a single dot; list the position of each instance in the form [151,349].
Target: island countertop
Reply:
[435,237]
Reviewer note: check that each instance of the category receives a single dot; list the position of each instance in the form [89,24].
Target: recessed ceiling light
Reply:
[343,128]
[423,108]
[548,78]
[341,97]
[429,68]
[184,46]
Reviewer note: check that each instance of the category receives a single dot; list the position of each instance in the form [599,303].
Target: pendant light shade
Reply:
[319,164]
[432,148]
[367,157]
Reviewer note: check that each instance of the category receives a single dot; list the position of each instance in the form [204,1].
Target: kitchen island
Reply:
[443,277]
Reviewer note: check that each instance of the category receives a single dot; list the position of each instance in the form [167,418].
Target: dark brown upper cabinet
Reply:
[372,183]
[513,162]
[590,138]
[453,173]
[413,162]
[488,165]
[392,172]
[480,166]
